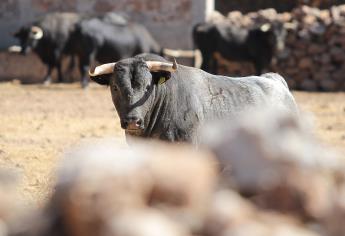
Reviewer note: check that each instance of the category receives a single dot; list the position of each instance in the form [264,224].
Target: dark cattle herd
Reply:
[154,97]
[104,38]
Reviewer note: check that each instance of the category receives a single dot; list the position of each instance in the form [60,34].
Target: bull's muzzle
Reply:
[133,125]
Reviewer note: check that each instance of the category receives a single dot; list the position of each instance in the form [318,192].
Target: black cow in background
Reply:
[49,38]
[257,45]
[110,39]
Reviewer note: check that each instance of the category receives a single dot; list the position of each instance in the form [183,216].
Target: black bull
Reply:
[257,45]
[98,40]
[49,38]
[158,99]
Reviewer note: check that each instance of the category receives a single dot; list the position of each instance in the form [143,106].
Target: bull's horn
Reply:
[36,32]
[102,69]
[265,27]
[15,49]
[290,25]
[155,66]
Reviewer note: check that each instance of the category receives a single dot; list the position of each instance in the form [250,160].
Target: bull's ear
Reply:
[101,79]
[161,77]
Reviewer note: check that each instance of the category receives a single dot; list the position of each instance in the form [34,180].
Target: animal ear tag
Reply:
[161,80]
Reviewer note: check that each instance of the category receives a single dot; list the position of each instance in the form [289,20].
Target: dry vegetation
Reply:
[39,123]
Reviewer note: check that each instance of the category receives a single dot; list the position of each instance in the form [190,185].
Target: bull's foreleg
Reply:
[84,79]
[83,68]
[59,70]
[204,66]
[84,63]
[214,66]
[206,62]
[71,64]
[48,77]
[258,68]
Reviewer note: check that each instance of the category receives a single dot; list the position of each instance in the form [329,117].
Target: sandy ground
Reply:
[37,124]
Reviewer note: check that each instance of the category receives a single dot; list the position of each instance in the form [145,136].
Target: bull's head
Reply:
[133,84]
[276,33]
[29,37]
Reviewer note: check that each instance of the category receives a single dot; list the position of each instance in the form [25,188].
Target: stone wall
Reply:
[314,58]
[225,6]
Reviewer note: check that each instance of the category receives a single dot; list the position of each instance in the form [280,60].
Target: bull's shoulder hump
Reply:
[194,70]
[276,77]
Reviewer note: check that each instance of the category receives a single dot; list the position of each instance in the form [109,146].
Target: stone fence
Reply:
[225,6]
[314,58]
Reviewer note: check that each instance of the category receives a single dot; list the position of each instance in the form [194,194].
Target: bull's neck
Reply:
[158,110]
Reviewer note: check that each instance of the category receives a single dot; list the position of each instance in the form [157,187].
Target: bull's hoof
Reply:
[84,84]
[47,82]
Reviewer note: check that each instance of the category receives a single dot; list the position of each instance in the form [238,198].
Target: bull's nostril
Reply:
[139,122]
[132,123]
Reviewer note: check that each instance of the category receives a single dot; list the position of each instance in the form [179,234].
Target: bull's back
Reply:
[58,28]
[193,98]
[221,96]
[268,90]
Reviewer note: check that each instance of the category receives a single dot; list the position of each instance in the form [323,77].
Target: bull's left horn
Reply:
[37,32]
[155,66]
[102,69]
[290,25]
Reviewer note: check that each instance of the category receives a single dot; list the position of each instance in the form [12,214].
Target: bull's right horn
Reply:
[266,27]
[36,32]
[102,69]
[290,25]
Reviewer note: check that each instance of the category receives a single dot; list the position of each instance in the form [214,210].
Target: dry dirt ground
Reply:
[37,124]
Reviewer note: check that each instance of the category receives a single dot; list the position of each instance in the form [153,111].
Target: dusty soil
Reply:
[37,124]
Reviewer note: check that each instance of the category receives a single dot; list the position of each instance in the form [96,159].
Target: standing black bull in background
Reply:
[158,99]
[106,40]
[49,38]
[257,45]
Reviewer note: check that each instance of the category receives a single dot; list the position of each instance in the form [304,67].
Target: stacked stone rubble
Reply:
[314,58]
[280,6]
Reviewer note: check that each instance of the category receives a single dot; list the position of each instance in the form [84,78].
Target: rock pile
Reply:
[314,58]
